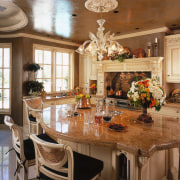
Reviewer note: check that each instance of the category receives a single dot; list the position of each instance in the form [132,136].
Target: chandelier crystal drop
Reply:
[101,43]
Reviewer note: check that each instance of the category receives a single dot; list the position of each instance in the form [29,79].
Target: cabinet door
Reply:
[84,72]
[172,49]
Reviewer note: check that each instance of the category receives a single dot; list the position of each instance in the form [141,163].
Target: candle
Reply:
[156,40]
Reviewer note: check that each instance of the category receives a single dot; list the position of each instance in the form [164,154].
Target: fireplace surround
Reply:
[150,67]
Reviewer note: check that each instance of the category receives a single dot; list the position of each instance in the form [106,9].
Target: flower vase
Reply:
[144,117]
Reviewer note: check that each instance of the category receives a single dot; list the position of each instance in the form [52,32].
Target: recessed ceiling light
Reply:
[137,28]
[74,15]
[116,11]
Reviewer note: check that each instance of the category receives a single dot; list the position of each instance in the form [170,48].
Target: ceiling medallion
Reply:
[11,17]
[101,43]
[100,6]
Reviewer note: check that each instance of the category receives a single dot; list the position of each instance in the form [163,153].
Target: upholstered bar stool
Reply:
[32,105]
[58,161]
[25,153]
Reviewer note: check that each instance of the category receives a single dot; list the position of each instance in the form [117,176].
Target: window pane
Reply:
[38,56]
[58,71]
[65,59]
[6,57]
[0,78]
[6,98]
[58,58]
[47,71]
[0,57]
[66,71]
[6,78]
[47,57]
[47,85]
[59,84]
[0,98]
[39,73]
[65,84]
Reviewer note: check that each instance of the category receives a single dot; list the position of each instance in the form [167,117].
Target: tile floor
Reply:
[7,161]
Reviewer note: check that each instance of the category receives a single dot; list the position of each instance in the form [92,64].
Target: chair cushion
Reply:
[29,151]
[85,167]
[32,118]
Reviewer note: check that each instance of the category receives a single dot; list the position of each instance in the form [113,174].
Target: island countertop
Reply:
[140,138]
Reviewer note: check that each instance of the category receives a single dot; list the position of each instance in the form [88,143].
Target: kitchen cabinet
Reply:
[172,56]
[87,71]
[171,110]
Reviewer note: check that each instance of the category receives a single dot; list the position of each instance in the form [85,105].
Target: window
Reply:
[56,67]
[5,77]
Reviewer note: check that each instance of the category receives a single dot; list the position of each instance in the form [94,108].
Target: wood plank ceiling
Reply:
[71,21]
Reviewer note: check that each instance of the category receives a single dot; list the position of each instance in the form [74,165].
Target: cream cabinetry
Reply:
[168,110]
[172,55]
[87,71]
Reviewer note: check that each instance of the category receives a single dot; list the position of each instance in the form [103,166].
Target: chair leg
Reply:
[26,170]
[18,171]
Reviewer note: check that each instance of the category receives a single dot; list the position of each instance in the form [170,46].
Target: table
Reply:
[142,143]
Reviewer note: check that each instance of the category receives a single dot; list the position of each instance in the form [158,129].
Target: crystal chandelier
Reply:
[101,43]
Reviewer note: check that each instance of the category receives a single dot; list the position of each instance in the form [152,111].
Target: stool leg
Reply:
[26,170]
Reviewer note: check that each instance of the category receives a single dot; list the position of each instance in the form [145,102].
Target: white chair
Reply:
[25,154]
[34,104]
[58,161]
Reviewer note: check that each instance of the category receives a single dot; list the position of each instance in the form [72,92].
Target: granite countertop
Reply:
[57,97]
[140,138]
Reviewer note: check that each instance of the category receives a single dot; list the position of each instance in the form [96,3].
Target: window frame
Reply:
[54,50]
[8,111]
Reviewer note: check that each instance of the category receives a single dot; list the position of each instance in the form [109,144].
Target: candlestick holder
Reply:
[156,53]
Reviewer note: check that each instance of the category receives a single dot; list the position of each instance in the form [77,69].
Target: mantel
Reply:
[148,64]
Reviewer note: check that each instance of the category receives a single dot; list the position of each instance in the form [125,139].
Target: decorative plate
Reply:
[139,53]
[117,127]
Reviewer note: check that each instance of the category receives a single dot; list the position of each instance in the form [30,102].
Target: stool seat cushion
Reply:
[32,118]
[85,167]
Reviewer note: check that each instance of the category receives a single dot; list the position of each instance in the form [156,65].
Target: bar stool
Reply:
[25,153]
[58,161]
[32,105]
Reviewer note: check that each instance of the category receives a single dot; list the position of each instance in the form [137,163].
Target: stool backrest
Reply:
[17,138]
[33,105]
[53,156]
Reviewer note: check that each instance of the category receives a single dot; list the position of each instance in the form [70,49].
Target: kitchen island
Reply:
[150,150]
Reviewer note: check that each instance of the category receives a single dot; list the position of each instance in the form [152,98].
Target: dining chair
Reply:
[58,161]
[33,105]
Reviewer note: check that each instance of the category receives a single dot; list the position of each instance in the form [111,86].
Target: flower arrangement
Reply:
[81,96]
[93,86]
[147,94]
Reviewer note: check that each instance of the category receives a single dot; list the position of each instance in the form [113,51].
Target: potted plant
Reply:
[33,87]
[33,67]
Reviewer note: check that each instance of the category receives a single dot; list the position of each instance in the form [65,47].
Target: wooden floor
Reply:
[7,161]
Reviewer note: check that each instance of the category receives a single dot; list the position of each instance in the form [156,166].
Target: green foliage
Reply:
[33,67]
[121,57]
[34,86]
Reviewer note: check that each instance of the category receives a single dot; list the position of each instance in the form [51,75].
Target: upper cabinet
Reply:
[172,56]
[87,71]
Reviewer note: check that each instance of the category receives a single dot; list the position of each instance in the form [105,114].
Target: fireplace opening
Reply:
[117,84]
